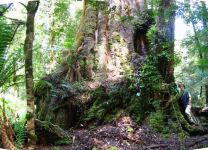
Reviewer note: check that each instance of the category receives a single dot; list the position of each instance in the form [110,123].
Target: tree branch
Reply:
[23,5]
[16,20]
[2,13]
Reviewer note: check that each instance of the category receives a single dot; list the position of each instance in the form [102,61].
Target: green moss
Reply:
[29,115]
[119,101]
[157,122]
[88,24]
[58,148]
[58,107]
[64,141]
[41,87]
[99,5]
[113,148]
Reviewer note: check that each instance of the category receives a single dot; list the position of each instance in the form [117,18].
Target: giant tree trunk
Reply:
[107,48]
[111,46]
[165,49]
[28,46]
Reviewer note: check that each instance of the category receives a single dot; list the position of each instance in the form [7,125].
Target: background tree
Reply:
[196,14]
[28,49]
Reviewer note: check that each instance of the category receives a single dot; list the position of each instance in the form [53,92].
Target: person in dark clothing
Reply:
[186,102]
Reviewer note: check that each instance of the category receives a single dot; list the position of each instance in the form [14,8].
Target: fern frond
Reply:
[7,61]
[20,133]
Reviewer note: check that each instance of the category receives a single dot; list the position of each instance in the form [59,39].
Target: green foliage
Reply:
[60,15]
[119,100]
[99,4]
[203,63]
[150,77]
[152,33]
[94,148]
[64,141]
[142,21]
[113,148]
[70,40]
[80,84]
[62,89]
[98,109]
[42,86]
[197,46]
[7,61]
[126,19]
[177,59]
[157,122]
[20,133]
[130,130]
[5,38]
[102,105]
[58,148]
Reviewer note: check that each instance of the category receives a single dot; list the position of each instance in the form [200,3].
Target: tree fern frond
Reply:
[7,61]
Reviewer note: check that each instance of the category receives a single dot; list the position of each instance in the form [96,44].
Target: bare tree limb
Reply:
[16,20]
[2,13]
[23,5]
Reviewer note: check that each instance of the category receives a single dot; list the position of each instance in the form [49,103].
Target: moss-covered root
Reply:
[55,129]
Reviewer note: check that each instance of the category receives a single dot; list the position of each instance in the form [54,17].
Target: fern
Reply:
[5,39]
[7,61]
[20,133]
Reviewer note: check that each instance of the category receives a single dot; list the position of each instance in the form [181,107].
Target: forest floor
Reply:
[127,135]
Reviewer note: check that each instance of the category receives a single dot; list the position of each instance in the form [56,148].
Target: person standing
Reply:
[186,102]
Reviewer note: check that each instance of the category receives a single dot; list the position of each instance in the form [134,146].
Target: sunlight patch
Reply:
[13,1]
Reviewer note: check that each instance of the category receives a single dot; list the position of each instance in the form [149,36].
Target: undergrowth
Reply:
[108,106]
[20,133]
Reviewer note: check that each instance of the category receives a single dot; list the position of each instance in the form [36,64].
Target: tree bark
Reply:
[108,50]
[106,47]
[165,49]
[28,46]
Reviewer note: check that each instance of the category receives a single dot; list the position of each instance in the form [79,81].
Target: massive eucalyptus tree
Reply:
[108,42]
[112,45]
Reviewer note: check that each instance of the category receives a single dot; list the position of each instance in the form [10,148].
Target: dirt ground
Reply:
[126,135]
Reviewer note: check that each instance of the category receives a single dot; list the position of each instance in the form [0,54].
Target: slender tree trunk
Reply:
[52,34]
[28,46]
